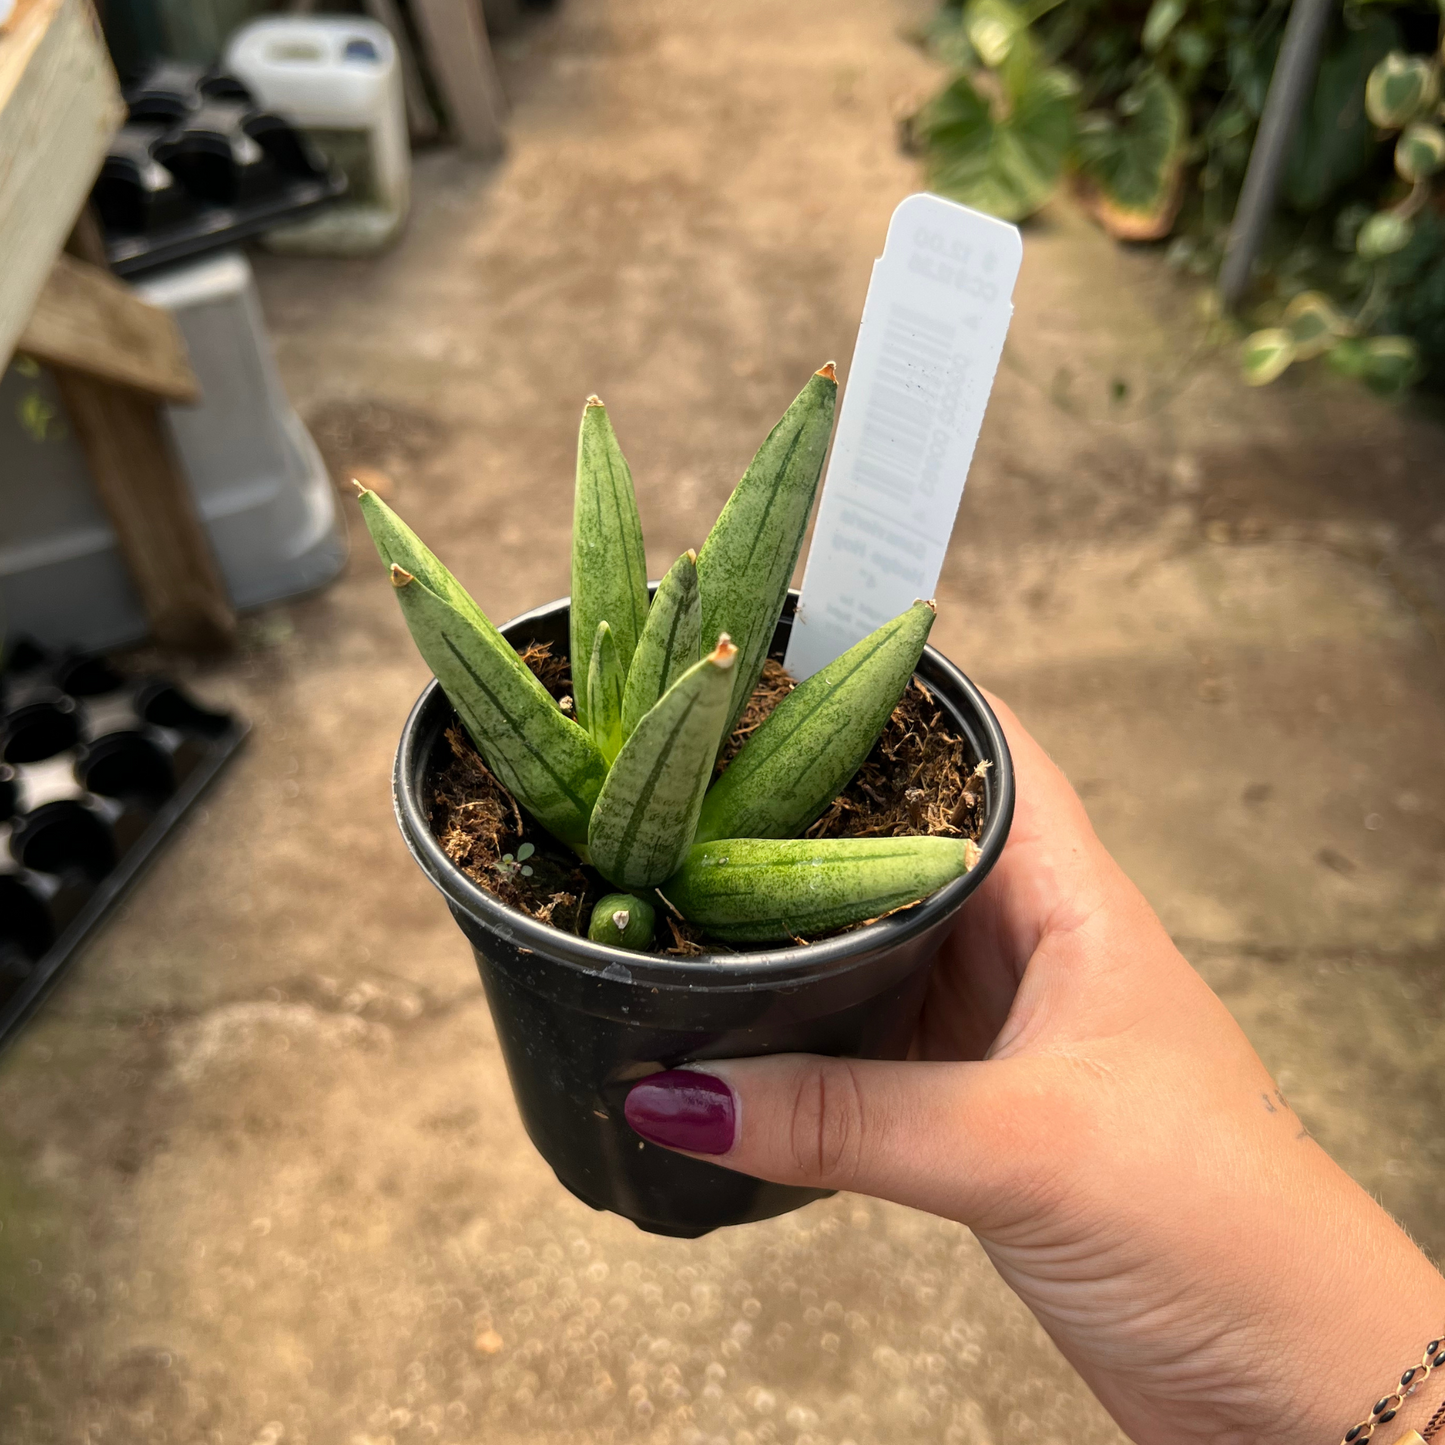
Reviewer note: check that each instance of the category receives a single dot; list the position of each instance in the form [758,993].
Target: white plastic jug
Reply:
[336,78]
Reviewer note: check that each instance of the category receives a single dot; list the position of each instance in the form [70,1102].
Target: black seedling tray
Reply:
[198,166]
[98,768]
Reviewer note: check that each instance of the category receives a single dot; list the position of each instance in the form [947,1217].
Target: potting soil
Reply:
[920,778]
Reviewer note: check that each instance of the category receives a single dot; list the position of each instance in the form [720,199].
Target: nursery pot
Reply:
[579,1021]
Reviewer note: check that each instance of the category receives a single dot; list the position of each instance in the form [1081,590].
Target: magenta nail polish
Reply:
[683,1110]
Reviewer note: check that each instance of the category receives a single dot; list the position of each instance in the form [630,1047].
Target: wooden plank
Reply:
[88,321]
[59,106]
[421,119]
[502,16]
[460,56]
[143,489]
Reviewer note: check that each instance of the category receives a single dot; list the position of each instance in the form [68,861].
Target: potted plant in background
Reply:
[662,851]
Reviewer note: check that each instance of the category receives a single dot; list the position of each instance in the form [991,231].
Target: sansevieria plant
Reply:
[628,783]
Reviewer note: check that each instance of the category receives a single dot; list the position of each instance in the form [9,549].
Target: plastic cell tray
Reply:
[198,166]
[98,768]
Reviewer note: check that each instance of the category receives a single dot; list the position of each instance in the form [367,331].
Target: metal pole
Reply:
[1289,90]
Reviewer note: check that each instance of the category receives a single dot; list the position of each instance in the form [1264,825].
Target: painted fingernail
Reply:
[682,1109]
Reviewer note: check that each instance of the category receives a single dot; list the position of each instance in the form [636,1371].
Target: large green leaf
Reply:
[1266,355]
[1400,89]
[1420,152]
[609,568]
[1132,160]
[1005,155]
[1314,324]
[1159,24]
[646,812]
[548,763]
[1335,141]
[993,27]
[748,558]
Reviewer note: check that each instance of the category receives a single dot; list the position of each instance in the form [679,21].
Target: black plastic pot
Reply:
[579,1021]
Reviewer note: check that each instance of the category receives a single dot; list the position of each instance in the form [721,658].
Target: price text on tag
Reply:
[934,323]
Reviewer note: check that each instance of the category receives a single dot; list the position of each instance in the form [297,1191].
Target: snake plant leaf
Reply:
[548,763]
[746,563]
[1400,88]
[398,546]
[624,920]
[609,570]
[1314,324]
[1003,155]
[671,641]
[605,681]
[1266,355]
[759,890]
[813,742]
[646,812]
[1419,152]
[1132,162]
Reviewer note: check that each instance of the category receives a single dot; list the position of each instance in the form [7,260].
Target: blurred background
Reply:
[261,1176]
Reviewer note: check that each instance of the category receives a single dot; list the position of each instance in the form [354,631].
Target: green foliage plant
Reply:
[628,783]
[1402,104]
[1152,114]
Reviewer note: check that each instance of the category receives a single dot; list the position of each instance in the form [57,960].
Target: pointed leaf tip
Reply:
[400,576]
[594,400]
[691,555]
[360,490]
[827,371]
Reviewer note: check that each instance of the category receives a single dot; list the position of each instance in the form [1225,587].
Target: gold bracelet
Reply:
[1389,1407]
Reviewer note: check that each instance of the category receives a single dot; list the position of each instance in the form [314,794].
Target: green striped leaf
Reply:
[746,563]
[609,570]
[623,920]
[399,546]
[604,694]
[808,748]
[548,763]
[671,642]
[759,890]
[646,813]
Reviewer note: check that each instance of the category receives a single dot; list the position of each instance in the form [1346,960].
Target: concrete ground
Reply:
[261,1178]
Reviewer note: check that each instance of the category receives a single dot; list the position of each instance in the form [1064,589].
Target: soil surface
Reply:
[261,1176]
[919,778]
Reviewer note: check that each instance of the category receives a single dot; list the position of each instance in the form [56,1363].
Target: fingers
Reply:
[949,1138]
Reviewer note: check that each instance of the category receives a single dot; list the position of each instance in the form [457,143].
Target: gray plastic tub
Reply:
[260,484]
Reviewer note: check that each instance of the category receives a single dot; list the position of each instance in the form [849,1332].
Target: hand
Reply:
[1079,1098]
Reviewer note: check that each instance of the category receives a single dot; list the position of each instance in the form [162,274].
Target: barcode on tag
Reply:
[933,328]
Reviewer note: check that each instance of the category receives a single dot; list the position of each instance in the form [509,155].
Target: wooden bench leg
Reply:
[460,56]
[143,489]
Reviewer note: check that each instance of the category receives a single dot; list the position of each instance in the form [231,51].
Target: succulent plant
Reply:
[628,783]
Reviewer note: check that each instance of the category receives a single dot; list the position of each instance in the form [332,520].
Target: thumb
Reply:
[956,1139]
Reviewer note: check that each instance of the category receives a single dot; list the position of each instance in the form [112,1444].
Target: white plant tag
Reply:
[934,322]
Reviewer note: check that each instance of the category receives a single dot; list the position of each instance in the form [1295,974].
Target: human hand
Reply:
[1081,1100]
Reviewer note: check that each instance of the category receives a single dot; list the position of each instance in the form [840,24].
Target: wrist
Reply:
[1372,1314]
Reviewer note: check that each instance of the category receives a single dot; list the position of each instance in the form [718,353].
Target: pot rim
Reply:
[749,969]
